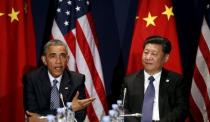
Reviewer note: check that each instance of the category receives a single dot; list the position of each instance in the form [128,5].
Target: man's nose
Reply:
[58,59]
[148,56]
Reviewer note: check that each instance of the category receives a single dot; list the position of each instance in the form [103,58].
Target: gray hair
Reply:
[54,42]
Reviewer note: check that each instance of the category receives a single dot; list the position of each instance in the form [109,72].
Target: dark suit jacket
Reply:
[173,99]
[37,90]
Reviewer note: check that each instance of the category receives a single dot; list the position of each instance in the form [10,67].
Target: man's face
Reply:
[56,60]
[153,58]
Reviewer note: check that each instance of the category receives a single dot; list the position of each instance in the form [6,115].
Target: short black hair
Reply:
[164,42]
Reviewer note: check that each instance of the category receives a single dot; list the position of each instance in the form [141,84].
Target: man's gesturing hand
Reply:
[80,104]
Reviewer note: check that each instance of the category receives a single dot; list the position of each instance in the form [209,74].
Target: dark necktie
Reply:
[54,99]
[149,96]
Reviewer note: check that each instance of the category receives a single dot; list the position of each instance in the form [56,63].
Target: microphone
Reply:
[124,95]
[61,97]
[132,115]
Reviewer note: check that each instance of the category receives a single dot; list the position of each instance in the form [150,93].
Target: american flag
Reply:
[73,24]
[200,90]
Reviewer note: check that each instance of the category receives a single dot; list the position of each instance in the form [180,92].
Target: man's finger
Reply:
[86,102]
[31,113]
[91,99]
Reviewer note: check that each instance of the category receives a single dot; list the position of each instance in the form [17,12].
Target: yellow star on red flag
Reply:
[14,15]
[1,14]
[168,12]
[150,20]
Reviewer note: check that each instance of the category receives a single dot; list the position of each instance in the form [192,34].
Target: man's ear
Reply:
[44,60]
[68,58]
[166,58]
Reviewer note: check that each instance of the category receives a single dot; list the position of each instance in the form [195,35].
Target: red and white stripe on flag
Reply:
[200,90]
[84,58]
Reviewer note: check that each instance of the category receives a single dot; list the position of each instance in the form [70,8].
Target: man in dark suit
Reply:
[170,100]
[38,84]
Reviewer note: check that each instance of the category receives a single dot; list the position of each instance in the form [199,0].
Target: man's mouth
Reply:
[148,63]
[58,68]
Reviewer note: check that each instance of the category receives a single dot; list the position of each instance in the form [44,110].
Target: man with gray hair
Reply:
[52,85]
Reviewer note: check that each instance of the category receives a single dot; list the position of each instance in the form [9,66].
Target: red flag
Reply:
[17,55]
[154,17]
[200,90]
[73,25]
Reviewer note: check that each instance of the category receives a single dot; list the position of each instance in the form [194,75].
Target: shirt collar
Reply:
[156,75]
[53,78]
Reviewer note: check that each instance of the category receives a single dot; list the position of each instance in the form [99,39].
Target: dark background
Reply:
[114,21]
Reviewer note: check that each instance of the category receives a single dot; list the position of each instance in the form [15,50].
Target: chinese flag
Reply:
[17,55]
[154,17]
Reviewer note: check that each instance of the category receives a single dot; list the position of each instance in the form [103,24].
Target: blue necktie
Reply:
[54,99]
[149,96]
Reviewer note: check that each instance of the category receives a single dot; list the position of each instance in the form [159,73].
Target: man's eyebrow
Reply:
[52,53]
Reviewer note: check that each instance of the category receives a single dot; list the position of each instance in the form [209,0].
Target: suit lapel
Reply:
[140,85]
[65,86]
[163,90]
[44,83]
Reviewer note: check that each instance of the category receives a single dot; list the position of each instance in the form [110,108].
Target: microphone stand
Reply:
[132,115]
[128,115]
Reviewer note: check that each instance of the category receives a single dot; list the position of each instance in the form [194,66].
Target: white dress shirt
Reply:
[156,85]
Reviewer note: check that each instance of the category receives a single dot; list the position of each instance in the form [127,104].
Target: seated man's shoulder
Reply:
[135,74]
[36,71]
[174,74]
[75,74]
[132,77]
